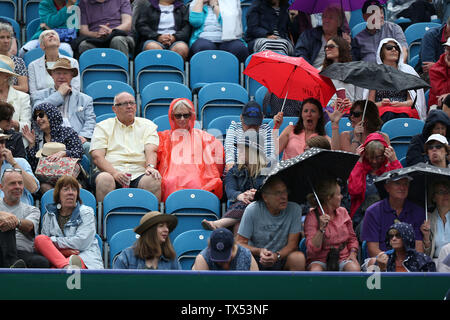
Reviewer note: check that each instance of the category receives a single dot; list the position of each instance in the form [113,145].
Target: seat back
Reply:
[157,97]
[217,99]
[103,64]
[86,196]
[344,125]
[104,116]
[123,208]
[158,65]
[36,53]
[30,10]
[191,206]
[103,92]
[286,122]
[250,84]
[119,241]
[400,132]
[355,18]
[358,28]
[188,245]
[224,64]
[414,34]
[31,28]
[259,98]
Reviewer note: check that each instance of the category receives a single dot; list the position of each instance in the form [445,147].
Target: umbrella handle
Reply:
[364,111]
[315,196]
[284,101]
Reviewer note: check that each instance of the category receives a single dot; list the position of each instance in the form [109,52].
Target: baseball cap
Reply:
[252,114]
[369,3]
[437,137]
[221,244]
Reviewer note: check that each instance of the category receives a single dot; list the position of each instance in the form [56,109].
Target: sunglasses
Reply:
[330,46]
[40,114]
[435,146]
[392,235]
[182,115]
[389,47]
[356,114]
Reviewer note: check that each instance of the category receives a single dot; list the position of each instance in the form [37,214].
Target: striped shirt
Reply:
[235,134]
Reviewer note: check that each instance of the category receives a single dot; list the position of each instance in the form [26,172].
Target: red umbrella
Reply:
[289,77]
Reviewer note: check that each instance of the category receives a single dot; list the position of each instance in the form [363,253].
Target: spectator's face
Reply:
[395,239]
[440,128]
[276,198]
[335,201]
[310,116]
[12,186]
[61,76]
[4,78]
[6,124]
[182,116]
[5,41]
[356,115]
[125,108]
[330,21]
[376,159]
[51,39]
[68,197]
[163,232]
[442,196]
[42,120]
[390,52]
[398,190]
[436,152]
[332,50]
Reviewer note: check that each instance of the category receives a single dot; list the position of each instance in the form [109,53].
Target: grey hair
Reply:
[42,35]
[7,27]
[181,103]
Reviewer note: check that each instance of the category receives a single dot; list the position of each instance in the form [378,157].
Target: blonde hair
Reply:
[181,103]
[254,169]
[325,190]
[44,33]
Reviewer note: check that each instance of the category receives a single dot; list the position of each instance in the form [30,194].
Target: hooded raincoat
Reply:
[439,79]
[415,261]
[420,106]
[189,159]
[357,179]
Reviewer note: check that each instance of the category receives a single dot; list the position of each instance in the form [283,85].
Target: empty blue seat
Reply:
[30,10]
[103,64]
[358,28]
[414,34]
[157,97]
[8,9]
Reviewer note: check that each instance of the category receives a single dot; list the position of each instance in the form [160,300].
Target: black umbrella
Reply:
[423,176]
[301,173]
[373,76]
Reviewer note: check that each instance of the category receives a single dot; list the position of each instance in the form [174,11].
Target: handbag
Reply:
[51,171]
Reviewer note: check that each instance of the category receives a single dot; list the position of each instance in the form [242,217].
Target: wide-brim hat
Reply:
[3,135]
[7,65]
[50,148]
[63,63]
[154,217]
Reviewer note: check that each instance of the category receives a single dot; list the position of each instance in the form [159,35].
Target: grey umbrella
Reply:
[373,76]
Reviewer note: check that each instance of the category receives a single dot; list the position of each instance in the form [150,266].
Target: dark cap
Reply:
[221,244]
[252,114]
[369,3]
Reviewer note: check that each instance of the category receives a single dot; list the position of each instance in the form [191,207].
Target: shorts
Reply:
[133,184]
[162,45]
[324,265]
[277,266]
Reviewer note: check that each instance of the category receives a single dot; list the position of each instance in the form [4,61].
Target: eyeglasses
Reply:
[182,115]
[330,46]
[443,192]
[40,114]
[125,104]
[392,235]
[389,47]
[435,146]
[355,114]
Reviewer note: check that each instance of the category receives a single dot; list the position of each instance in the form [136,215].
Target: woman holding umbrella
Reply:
[436,236]
[292,140]
[331,243]
[397,104]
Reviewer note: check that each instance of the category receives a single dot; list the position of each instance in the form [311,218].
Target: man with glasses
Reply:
[76,108]
[8,161]
[270,228]
[394,208]
[124,149]
[19,223]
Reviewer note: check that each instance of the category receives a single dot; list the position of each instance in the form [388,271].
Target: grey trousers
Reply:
[124,44]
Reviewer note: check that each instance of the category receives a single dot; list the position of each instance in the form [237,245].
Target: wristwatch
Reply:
[151,165]
[278,256]
[19,224]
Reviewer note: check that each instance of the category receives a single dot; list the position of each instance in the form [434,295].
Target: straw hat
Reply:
[3,135]
[154,217]
[7,65]
[50,148]
[63,63]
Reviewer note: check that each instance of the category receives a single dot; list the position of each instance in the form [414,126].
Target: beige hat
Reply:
[50,148]
[7,65]
[63,63]
[4,135]
[154,217]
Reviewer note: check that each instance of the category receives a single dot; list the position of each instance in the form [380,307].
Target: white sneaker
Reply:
[75,262]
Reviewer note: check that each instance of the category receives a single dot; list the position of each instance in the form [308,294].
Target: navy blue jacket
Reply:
[238,181]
